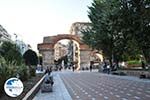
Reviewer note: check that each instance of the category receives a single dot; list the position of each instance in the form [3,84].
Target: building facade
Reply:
[76,29]
[4,36]
[23,47]
[60,50]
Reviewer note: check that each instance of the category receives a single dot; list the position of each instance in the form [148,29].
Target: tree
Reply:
[120,28]
[11,53]
[134,25]
[103,33]
[139,12]
[30,57]
[88,38]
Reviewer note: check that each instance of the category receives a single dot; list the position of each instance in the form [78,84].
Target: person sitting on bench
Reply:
[47,79]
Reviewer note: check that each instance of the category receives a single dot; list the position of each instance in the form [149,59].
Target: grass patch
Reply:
[133,62]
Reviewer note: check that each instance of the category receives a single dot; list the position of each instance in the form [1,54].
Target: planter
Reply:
[119,73]
[133,65]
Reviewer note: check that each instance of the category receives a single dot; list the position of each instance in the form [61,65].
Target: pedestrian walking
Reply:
[48,71]
[105,67]
[73,68]
[91,66]
[108,69]
[47,79]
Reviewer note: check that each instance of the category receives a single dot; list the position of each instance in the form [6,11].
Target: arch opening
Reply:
[66,54]
[80,51]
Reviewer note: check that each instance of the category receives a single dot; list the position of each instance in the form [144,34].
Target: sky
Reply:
[31,20]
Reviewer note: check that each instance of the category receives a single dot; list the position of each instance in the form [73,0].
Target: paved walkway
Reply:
[96,86]
[82,86]
[59,91]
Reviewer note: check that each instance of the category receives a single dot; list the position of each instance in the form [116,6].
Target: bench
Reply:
[47,85]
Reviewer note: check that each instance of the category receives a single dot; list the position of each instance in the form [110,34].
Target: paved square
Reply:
[97,86]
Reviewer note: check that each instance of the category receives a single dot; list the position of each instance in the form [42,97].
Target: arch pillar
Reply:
[47,52]
[48,58]
[85,52]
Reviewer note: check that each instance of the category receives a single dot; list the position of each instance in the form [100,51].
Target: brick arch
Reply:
[59,37]
[47,49]
[50,41]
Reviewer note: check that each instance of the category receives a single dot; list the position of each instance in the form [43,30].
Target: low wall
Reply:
[137,73]
[30,95]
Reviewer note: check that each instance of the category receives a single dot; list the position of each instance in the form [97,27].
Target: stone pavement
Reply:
[85,85]
[96,86]
[59,91]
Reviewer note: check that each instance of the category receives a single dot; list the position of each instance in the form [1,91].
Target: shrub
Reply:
[23,72]
[32,71]
[6,71]
[134,62]
[30,57]
[3,74]
[11,53]
[10,69]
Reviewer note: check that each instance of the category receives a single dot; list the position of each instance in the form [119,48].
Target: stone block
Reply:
[46,87]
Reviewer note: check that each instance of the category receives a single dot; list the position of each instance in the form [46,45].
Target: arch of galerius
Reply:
[47,50]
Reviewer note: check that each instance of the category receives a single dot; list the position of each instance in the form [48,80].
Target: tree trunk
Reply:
[110,62]
[146,55]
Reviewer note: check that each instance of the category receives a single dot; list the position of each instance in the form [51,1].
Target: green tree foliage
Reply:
[30,57]
[120,28]
[11,53]
[138,15]
[103,34]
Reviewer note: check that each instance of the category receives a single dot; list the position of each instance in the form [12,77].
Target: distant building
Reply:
[4,36]
[76,29]
[60,50]
[70,52]
[22,46]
